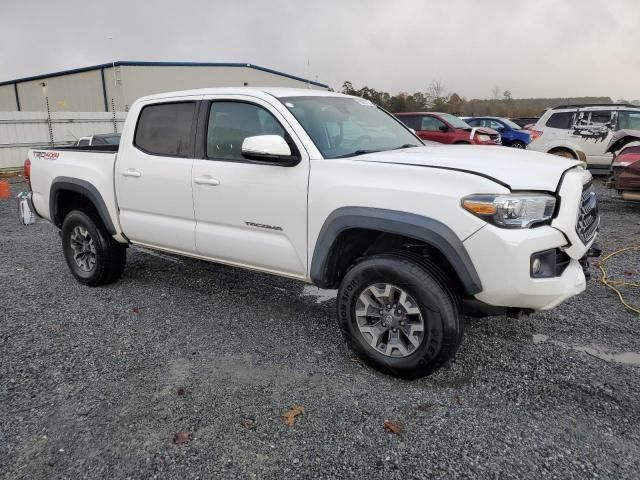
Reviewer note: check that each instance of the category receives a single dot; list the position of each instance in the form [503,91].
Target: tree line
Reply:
[436,99]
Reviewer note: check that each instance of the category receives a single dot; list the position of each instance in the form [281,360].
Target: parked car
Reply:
[285,182]
[625,167]
[447,128]
[512,135]
[99,139]
[522,122]
[568,130]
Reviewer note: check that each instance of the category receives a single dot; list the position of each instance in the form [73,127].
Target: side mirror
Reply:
[268,149]
[443,128]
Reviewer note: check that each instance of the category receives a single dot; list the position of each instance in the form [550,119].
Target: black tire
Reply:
[437,301]
[518,144]
[110,256]
[462,143]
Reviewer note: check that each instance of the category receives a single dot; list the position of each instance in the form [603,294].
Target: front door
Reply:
[153,176]
[248,213]
[434,129]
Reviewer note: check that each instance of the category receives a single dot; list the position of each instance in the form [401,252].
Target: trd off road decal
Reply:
[46,155]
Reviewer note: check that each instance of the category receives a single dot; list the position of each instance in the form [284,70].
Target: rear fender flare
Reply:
[61,184]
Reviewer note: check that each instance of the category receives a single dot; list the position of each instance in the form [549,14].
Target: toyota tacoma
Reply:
[331,190]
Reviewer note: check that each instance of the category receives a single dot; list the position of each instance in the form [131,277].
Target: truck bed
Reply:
[87,169]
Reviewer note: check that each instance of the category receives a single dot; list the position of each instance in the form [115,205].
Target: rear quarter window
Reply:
[166,129]
[560,120]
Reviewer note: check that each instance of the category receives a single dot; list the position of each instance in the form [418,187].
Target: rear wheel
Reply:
[399,315]
[92,255]
[518,144]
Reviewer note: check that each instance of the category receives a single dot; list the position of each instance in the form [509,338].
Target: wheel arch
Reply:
[325,273]
[83,193]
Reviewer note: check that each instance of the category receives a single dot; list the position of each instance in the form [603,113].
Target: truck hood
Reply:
[513,168]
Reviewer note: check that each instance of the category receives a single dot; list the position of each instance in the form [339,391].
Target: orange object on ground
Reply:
[5,189]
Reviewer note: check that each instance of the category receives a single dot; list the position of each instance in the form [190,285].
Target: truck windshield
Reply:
[348,126]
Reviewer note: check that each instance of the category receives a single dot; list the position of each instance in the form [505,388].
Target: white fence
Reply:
[20,131]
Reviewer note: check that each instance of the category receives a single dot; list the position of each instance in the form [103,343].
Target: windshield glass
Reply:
[454,121]
[347,126]
[514,126]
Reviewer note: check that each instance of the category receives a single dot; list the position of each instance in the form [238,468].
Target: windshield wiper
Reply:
[356,153]
[406,145]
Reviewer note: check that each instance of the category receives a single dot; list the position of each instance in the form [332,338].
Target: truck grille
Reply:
[588,218]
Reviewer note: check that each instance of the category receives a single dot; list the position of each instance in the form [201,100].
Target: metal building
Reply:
[115,86]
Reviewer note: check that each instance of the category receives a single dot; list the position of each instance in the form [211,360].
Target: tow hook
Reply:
[594,251]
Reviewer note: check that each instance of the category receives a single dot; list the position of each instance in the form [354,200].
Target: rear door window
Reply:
[166,129]
[411,121]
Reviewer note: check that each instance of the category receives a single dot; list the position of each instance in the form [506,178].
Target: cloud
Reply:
[541,48]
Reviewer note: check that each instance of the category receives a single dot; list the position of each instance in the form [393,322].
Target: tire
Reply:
[462,143]
[518,144]
[92,255]
[564,153]
[427,292]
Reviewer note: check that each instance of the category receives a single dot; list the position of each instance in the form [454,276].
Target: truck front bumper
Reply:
[503,261]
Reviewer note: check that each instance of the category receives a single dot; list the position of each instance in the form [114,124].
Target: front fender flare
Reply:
[411,225]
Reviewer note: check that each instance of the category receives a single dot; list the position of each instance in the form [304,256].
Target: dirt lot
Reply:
[95,383]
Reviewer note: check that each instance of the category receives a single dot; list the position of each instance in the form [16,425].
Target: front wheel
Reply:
[93,257]
[399,315]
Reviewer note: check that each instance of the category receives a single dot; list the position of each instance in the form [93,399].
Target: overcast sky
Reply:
[536,48]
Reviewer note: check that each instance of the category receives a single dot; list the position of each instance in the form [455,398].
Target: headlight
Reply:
[518,210]
[484,138]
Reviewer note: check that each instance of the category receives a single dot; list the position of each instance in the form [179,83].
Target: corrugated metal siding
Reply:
[20,131]
[78,92]
[8,98]
[135,82]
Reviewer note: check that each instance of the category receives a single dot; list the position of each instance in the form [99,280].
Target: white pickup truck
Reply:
[331,190]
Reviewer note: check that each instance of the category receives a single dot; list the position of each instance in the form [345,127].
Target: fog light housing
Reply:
[548,263]
[536,266]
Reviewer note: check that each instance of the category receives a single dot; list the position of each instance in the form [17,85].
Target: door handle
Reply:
[206,180]
[131,172]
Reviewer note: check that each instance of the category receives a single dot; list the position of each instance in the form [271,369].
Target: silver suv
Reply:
[583,131]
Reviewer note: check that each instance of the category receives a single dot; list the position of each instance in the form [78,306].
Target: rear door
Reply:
[592,131]
[249,213]
[153,176]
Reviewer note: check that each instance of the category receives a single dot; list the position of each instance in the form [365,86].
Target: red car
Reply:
[625,166]
[447,128]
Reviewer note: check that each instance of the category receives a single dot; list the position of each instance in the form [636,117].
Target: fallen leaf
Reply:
[136,311]
[393,427]
[290,416]
[181,437]
[181,391]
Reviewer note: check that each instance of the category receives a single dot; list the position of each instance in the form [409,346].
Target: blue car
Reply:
[512,134]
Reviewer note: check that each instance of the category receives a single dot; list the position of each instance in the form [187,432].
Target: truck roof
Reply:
[253,91]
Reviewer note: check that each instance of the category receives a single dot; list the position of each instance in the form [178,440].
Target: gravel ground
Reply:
[95,383]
